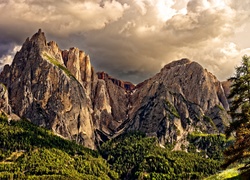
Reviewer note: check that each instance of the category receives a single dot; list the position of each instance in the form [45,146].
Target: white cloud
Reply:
[142,5]
[8,58]
[63,16]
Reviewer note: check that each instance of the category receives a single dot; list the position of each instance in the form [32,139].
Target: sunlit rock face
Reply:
[44,91]
[58,89]
[4,99]
[180,99]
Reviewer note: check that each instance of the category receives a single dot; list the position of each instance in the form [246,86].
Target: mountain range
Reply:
[60,90]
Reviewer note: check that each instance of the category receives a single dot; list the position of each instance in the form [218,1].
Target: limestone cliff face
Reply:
[43,90]
[123,84]
[110,105]
[5,108]
[78,63]
[182,98]
[4,99]
[58,89]
[226,86]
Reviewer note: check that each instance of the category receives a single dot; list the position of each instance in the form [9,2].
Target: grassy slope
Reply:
[232,173]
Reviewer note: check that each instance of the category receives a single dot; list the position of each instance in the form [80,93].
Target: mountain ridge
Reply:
[59,89]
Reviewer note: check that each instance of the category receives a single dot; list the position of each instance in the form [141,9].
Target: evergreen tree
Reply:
[240,95]
[240,113]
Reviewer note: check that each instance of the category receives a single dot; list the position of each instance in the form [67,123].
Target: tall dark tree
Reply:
[240,113]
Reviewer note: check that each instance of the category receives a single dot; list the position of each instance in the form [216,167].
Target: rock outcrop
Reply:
[5,108]
[180,99]
[58,89]
[110,106]
[43,90]
[123,84]
[4,99]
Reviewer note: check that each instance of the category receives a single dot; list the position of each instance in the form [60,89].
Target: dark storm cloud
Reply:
[5,48]
[132,39]
[59,19]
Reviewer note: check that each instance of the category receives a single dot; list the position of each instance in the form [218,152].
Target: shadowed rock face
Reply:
[60,91]
[123,84]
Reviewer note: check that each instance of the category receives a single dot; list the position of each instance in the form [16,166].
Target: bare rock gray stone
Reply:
[43,90]
[182,98]
[58,89]
[4,99]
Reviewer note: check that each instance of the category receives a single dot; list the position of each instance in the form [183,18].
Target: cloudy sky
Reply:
[133,39]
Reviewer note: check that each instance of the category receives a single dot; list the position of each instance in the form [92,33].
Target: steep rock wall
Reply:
[58,89]
[43,90]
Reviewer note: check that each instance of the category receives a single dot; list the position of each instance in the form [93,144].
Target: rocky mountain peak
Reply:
[58,89]
[185,77]
[38,39]
[177,63]
[43,90]
[182,98]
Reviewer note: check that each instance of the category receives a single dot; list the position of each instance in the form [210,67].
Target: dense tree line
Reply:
[135,156]
[31,152]
[208,145]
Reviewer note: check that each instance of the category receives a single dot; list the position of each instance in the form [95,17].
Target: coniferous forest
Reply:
[31,152]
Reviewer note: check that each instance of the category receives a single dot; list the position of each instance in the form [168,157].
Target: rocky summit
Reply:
[59,89]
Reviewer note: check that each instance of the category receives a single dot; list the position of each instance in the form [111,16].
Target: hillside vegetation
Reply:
[135,156]
[31,152]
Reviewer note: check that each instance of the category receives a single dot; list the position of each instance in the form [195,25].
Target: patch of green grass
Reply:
[178,132]
[200,134]
[210,145]
[58,64]
[220,107]
[232,173]
[3,116]
[170,108]
[209,120]
[4,87]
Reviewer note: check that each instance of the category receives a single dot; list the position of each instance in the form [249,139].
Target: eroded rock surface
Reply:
[180,99]
[58,89]
[43,90]
[4,99]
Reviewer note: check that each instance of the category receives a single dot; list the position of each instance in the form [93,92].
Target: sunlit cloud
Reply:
[7,58]
[133,39]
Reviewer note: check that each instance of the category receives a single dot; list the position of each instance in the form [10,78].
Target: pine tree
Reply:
[240,113]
